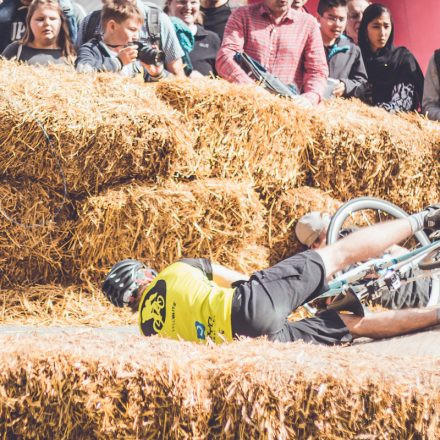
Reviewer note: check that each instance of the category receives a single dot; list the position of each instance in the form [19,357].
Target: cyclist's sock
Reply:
[417,221]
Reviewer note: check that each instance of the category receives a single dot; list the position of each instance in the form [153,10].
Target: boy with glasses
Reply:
[344,58]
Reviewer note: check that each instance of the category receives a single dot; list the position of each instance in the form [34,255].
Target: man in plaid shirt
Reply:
[286,42]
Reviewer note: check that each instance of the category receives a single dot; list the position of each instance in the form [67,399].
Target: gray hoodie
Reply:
[345,63]
[431,92]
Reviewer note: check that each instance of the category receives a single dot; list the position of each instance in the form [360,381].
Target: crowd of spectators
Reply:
[344,50]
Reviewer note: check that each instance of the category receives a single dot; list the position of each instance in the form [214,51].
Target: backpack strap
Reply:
[437,61]
[92,24]
[153,23]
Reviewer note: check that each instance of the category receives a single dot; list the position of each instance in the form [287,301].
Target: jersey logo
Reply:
[153,309]
[200,329]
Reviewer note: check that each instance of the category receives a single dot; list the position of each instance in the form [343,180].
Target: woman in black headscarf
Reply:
[395,77]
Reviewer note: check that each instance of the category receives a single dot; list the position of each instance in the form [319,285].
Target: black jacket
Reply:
[204,53]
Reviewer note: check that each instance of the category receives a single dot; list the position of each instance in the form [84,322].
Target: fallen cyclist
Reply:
[194,300]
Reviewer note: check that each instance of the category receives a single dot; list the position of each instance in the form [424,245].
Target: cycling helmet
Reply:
[120,284]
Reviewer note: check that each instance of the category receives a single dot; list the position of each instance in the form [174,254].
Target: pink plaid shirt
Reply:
[291,50]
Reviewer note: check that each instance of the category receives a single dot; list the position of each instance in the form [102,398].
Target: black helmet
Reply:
[120,283]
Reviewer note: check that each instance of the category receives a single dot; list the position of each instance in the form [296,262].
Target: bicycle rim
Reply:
[347,210]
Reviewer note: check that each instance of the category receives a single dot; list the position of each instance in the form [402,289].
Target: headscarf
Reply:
[388,66]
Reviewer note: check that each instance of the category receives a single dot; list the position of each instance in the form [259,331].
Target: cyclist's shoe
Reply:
[432,218]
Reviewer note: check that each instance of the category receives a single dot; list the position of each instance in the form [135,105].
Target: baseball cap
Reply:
[310,226]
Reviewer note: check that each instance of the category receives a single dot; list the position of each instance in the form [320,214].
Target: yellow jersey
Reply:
[183,302]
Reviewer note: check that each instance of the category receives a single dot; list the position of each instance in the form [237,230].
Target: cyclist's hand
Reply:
[128,54]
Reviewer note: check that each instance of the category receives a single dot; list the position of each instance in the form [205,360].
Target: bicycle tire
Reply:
[431,261]
[363,203]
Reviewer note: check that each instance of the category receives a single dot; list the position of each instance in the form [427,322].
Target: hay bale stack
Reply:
[220,219]
[34,228]
[153,388]
[358,150]
[243,132]
[45,305]
[431,134]
[105,128]
[286,211]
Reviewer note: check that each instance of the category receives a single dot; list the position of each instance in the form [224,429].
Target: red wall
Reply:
[417,25]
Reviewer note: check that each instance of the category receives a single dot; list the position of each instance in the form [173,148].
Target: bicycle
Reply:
[354,288]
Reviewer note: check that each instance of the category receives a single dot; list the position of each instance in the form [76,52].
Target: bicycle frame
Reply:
[382,271]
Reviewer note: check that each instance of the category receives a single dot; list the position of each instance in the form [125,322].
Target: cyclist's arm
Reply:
[221,275]
[224,277]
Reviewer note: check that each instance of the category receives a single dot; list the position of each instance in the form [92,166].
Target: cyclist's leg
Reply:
[262,304]
[364,244]
[415,294]
[390,323]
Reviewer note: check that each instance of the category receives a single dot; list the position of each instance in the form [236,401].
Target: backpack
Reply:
[437,61]
[153,25]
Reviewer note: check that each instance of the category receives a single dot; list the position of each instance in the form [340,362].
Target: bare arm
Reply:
[175,67]
[363,244]
[224,277]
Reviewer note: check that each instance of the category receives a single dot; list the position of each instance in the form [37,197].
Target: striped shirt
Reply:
[292,50]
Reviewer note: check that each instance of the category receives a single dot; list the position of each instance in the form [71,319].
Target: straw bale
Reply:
[243,131]
[123,386]
[55,305]
[431,134]
[358,150]
[219,219]
[33,248]
[286,211]
[105,128]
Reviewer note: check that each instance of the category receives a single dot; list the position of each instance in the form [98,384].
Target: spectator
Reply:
[299,5]
[431,93]
[395,77]
[113,52]
[13,20]
[343,57]
[286,42]
[356,10]
[206,43]
[46,39]
[216,14]
[164,37]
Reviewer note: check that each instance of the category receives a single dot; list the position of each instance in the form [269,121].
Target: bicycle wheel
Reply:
[369,210]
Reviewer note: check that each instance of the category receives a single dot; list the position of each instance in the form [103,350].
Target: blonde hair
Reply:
[119,11]
[63,39]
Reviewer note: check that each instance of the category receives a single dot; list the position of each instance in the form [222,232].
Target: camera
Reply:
[149,54]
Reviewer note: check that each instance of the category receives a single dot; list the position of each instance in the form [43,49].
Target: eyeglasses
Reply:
[333,19]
